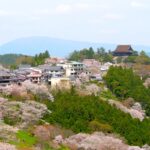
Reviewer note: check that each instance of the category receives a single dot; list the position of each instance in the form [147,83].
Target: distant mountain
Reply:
[56,47]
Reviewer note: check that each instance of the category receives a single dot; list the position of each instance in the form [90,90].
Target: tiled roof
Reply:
[55,68]
[123,49]
[4,73]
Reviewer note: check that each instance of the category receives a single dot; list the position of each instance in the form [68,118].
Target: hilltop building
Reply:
[123,50]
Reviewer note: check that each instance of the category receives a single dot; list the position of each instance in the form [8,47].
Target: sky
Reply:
[106,21]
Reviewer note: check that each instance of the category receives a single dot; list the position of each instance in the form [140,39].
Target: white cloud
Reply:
[42,12]
[4,13]
[108,31]
[84,16]
[83,6]
[63,8]
[74,7]
[137,4]
[112,16]
[35,18]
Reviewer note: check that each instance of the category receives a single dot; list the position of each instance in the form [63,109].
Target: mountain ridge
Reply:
[57,47]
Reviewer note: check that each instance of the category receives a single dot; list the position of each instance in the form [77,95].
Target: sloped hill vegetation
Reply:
[15,59]
[78,113]
[124,84]
[9,59]
[89,113]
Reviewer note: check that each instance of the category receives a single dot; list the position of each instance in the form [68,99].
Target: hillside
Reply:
[56,47]
[67,118]
[9,59]
[88,116]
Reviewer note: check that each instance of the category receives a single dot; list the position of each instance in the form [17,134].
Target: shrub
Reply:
[11,120]
[108,95]
[97,126]
[128,102]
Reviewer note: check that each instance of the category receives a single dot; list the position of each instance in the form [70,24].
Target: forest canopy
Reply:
[124,83]
[88,53]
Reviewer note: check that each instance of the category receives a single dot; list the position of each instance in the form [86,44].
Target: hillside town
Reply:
[85,102]
[74,75]
[62,72]
[56,73]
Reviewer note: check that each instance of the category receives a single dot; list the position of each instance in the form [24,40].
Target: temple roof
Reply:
[124,49]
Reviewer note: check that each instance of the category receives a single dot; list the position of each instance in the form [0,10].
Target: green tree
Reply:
[90,114]
[124,84]
[40,58]
[143,58]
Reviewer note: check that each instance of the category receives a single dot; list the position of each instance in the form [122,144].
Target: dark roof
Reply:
[54,68]
[124,49]
[24,66]
[4,73]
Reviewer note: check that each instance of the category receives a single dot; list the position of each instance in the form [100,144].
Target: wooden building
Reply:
[123,50]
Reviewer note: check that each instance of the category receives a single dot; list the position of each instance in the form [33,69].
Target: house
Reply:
[5,77]
[123,50]
[55,60]
[35,75]
[91,63]
[74,68]
[24,66]
[60,83]
[49,71]
[96,77]
[53,71]
[57,71]
[23,70]
[18,79]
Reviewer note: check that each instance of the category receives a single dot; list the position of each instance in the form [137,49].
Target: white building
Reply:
[73,68]
[56,71]
[53,71]
[60,83]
